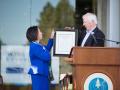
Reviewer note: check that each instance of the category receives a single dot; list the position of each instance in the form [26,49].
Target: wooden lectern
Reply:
[89,60]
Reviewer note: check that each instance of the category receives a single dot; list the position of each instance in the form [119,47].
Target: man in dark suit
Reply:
[90,35]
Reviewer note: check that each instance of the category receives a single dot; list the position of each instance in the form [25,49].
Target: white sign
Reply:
[14,64]
[55,68]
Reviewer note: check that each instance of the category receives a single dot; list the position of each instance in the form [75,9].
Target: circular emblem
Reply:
[98,81]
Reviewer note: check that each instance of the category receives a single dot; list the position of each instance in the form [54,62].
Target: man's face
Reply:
[86,23]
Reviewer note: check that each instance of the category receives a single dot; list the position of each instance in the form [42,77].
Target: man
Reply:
[91,36]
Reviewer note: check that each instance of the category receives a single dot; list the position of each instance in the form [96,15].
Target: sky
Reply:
[15,18]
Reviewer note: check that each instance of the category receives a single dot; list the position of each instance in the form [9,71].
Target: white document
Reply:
[65,40]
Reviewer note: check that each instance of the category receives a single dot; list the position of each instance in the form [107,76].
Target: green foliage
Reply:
[46,21]
[55,17]
[64,14]
[47,16]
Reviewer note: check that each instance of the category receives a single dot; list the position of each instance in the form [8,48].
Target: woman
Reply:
[40,59]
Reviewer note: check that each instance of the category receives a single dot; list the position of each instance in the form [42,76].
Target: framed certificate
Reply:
[64,41]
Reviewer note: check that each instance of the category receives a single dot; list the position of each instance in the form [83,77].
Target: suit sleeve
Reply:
[49,45]
[40,53]
[100,39]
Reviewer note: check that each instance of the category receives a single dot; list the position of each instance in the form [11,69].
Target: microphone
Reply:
[104,39]
[92,34]
[117,42]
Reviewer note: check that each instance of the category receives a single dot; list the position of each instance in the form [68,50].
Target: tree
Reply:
[46,21]
[64,14]
[58,17]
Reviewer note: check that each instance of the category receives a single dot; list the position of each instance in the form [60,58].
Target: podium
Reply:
[96,68]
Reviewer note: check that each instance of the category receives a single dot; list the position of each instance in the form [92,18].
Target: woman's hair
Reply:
[32,33]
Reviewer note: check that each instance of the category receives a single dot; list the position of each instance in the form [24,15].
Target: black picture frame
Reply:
[64,41]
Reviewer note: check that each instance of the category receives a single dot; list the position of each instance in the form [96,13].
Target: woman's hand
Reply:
[52,34]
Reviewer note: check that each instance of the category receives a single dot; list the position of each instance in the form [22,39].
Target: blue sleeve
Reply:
[49,45]
[40,53]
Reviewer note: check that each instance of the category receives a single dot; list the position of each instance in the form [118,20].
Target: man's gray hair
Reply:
[91,17]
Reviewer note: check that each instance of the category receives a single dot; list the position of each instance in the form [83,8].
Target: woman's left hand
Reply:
[52,34]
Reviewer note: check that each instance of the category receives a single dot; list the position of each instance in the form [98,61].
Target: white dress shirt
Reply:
[88,32]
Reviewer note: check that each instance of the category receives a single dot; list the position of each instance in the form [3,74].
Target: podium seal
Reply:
[98,81]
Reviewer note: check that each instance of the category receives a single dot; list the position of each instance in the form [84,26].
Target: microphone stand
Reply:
[117,42]
[95,39]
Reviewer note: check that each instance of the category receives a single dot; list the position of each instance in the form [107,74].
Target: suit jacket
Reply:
[40,58]
[96,39]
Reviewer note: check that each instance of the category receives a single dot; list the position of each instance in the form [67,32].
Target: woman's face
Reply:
[39,34]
